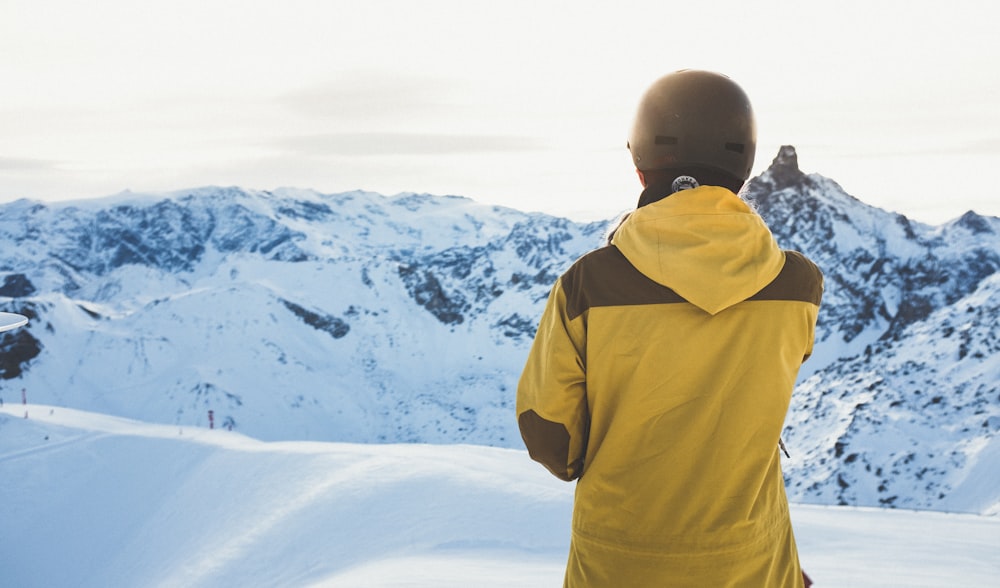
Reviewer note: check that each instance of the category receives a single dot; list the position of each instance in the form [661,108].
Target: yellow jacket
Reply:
[660,376]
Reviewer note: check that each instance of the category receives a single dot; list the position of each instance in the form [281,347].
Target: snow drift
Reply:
[93,500]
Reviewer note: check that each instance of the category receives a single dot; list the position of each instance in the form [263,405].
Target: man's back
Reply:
[680,479]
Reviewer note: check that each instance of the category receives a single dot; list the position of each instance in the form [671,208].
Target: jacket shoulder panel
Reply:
[799,280]
[604,277]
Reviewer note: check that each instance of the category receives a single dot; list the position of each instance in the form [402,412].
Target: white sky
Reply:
[520,103]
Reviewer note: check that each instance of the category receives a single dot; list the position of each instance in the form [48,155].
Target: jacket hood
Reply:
[705,244]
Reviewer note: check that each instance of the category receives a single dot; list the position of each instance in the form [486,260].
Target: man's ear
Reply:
[642,178]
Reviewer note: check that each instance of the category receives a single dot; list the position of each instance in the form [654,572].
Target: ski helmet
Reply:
[694,119]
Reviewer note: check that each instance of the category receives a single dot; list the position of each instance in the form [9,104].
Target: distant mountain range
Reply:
[359,317]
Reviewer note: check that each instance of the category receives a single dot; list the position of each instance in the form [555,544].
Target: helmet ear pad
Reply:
[695,118]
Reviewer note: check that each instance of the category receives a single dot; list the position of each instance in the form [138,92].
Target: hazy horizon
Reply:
[525,105]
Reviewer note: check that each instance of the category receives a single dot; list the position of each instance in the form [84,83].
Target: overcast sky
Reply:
[524,104]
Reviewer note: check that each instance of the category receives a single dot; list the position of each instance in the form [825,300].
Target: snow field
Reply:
[93,500]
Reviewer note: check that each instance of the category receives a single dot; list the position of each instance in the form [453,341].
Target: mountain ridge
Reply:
[359,317]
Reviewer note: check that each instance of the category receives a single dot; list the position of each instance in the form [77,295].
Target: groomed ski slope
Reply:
[92,500]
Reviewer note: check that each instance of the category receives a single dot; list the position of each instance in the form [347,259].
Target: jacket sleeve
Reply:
[552,409]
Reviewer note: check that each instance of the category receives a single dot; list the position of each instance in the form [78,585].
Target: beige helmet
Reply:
[692,118]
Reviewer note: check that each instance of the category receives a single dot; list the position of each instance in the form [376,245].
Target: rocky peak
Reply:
[784,170]
[787,157]
[974,223]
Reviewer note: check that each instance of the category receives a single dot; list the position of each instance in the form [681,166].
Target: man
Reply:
[664,363]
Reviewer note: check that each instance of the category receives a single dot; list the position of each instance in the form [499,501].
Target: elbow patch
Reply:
[548,444]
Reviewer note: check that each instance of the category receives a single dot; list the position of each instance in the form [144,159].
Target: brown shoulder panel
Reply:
[799,280]
[604,277]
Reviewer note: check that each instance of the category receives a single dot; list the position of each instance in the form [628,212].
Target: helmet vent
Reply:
[665,140]
[737,147]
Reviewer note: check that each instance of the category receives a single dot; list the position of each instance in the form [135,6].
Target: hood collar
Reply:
[705,244]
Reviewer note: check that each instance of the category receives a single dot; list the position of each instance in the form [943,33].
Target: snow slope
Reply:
[94,500]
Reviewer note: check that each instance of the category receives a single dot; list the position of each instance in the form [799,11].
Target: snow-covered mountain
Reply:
[900,406]
[364,318]
[290,315]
